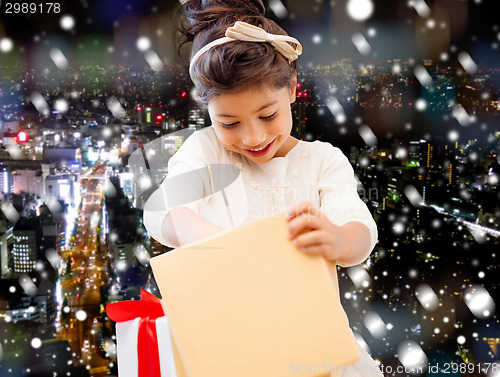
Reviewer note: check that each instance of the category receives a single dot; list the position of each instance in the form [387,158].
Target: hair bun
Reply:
[256,7]
[205,14]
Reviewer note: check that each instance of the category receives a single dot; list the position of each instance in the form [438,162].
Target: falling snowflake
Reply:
[493,179]
[361,44]
[40,103]
[81,315]
[420,104]
[359,276]
[431,24]
[36,343]
[411,355]
[462,116]
[427,297]
[142,255]
[316,39]
[478,235]
[413,195]
[398,228]
[143,43]
[10,212]
[145,182]
[422,75]
[53,257]
[59,58]
[67,22]
[39,266]
[27,284]
[153,60]
[121,265]
[375,325]
[333,104]
[453,135]
[61,105]
[107,132]
[466,61]
[367,135]
[436,223]
[360,10]
[6,45]
[479,301]
[278,8]
[401,153]
[421,7]
[115,107]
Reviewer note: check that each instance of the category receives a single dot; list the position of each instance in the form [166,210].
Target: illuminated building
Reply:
[6,181]
[27,233]
[493,343]
[5,244]
[60,187]
[150,116]
[28,180]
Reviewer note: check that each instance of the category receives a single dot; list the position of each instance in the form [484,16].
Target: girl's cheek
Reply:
[226,139]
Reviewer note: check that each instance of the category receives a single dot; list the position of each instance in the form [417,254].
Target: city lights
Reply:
[93,104]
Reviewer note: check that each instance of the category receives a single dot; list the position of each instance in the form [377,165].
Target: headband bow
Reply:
[243,31]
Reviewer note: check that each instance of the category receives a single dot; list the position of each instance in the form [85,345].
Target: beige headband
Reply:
[243,31]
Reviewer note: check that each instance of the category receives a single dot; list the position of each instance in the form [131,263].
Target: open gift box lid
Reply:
[247,303]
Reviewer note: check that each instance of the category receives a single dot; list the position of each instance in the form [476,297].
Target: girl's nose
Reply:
[253,136]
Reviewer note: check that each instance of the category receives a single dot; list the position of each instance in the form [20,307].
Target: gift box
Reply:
[248,303]
[144,345]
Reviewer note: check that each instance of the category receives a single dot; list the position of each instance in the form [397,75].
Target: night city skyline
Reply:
[420,126]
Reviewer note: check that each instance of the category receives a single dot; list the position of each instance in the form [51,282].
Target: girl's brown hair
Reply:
[237,65]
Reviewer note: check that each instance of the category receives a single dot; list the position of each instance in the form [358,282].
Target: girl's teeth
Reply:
[256,150]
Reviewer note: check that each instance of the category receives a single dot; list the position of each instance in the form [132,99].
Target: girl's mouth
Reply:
[260,152]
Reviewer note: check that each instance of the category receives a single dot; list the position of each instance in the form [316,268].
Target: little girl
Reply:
[243,67]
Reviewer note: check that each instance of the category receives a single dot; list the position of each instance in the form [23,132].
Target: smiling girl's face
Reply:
[255,122]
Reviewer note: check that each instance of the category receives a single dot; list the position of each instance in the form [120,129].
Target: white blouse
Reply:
[230,190]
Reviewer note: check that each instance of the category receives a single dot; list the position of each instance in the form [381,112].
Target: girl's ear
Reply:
[293,88]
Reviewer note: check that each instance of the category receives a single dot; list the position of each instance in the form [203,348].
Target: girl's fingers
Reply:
[313,250]
[312,238]
[304,222]
[302,207]
[316,242]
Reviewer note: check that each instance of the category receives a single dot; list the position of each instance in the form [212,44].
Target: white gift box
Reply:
[127,341]
[144,345]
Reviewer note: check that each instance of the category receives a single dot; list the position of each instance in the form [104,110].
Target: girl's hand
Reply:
[313,233]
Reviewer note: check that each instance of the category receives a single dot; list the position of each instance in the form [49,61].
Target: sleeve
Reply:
[187,184]
[339,199]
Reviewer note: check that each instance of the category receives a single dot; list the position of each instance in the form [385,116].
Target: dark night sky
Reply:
[471,25]
[482,15]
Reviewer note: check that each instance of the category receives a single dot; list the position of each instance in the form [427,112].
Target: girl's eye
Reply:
[228,125]
[270,117]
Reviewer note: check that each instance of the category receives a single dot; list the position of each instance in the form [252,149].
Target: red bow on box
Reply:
[148,308]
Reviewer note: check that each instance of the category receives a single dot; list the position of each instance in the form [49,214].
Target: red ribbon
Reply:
[148,308]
